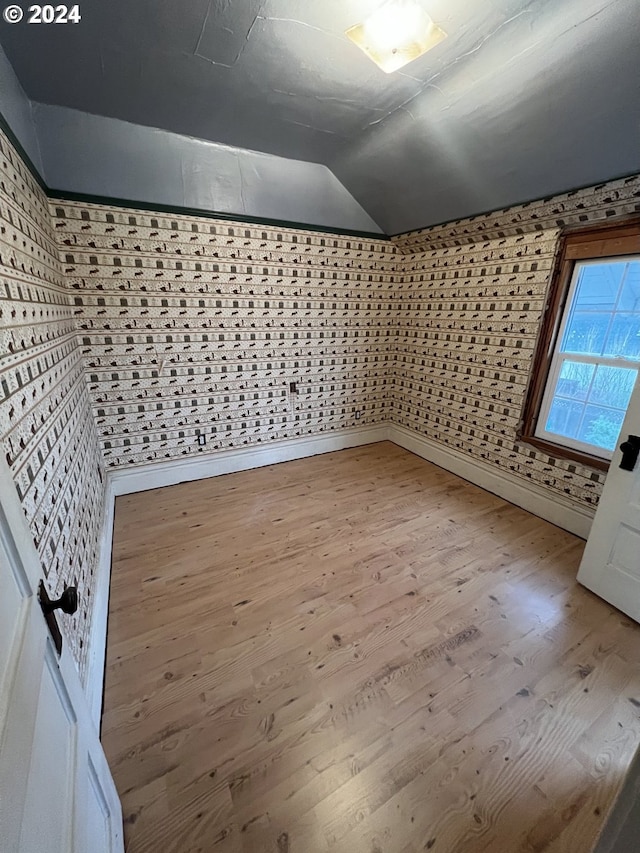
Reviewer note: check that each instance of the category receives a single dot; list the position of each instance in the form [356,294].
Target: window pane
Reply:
[564,417]
[574,380]
[605,390]
[601,426]
[598,286]
[630,296]
[612,386]
[586,333]
[603,290]
[623,340]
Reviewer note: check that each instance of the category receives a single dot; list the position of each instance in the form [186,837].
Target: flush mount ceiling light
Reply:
[398,32]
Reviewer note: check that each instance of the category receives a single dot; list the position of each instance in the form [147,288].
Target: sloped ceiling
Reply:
[524,97]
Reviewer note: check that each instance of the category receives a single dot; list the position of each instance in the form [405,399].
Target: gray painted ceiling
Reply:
[523,99]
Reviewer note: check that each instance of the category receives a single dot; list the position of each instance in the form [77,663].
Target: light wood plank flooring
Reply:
[360,653]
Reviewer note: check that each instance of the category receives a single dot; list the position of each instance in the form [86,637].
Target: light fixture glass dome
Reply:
[396,33]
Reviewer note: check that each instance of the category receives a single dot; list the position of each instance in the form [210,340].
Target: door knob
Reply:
[68,602]
[630,450]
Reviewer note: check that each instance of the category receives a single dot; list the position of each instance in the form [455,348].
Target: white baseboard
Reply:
[157,474]
[94,680]
[529,496]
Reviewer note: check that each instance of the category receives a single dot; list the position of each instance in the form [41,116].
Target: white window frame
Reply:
[559,358]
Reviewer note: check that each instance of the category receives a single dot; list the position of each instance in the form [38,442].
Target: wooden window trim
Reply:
[599,241]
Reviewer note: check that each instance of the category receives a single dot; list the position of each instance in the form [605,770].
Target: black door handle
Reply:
[68,603]
[630,450]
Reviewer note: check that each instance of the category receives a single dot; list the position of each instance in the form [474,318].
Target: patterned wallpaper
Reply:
[46,428]
[166,326]
[189,326]
[467,315]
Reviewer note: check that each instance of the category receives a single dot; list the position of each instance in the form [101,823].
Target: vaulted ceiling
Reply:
[524,98]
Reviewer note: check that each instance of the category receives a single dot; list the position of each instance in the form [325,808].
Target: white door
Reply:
[56,791]
[610,564]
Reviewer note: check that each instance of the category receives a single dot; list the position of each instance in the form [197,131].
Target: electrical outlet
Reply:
[202,439]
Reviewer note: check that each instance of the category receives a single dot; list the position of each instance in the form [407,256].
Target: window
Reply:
[588,353]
